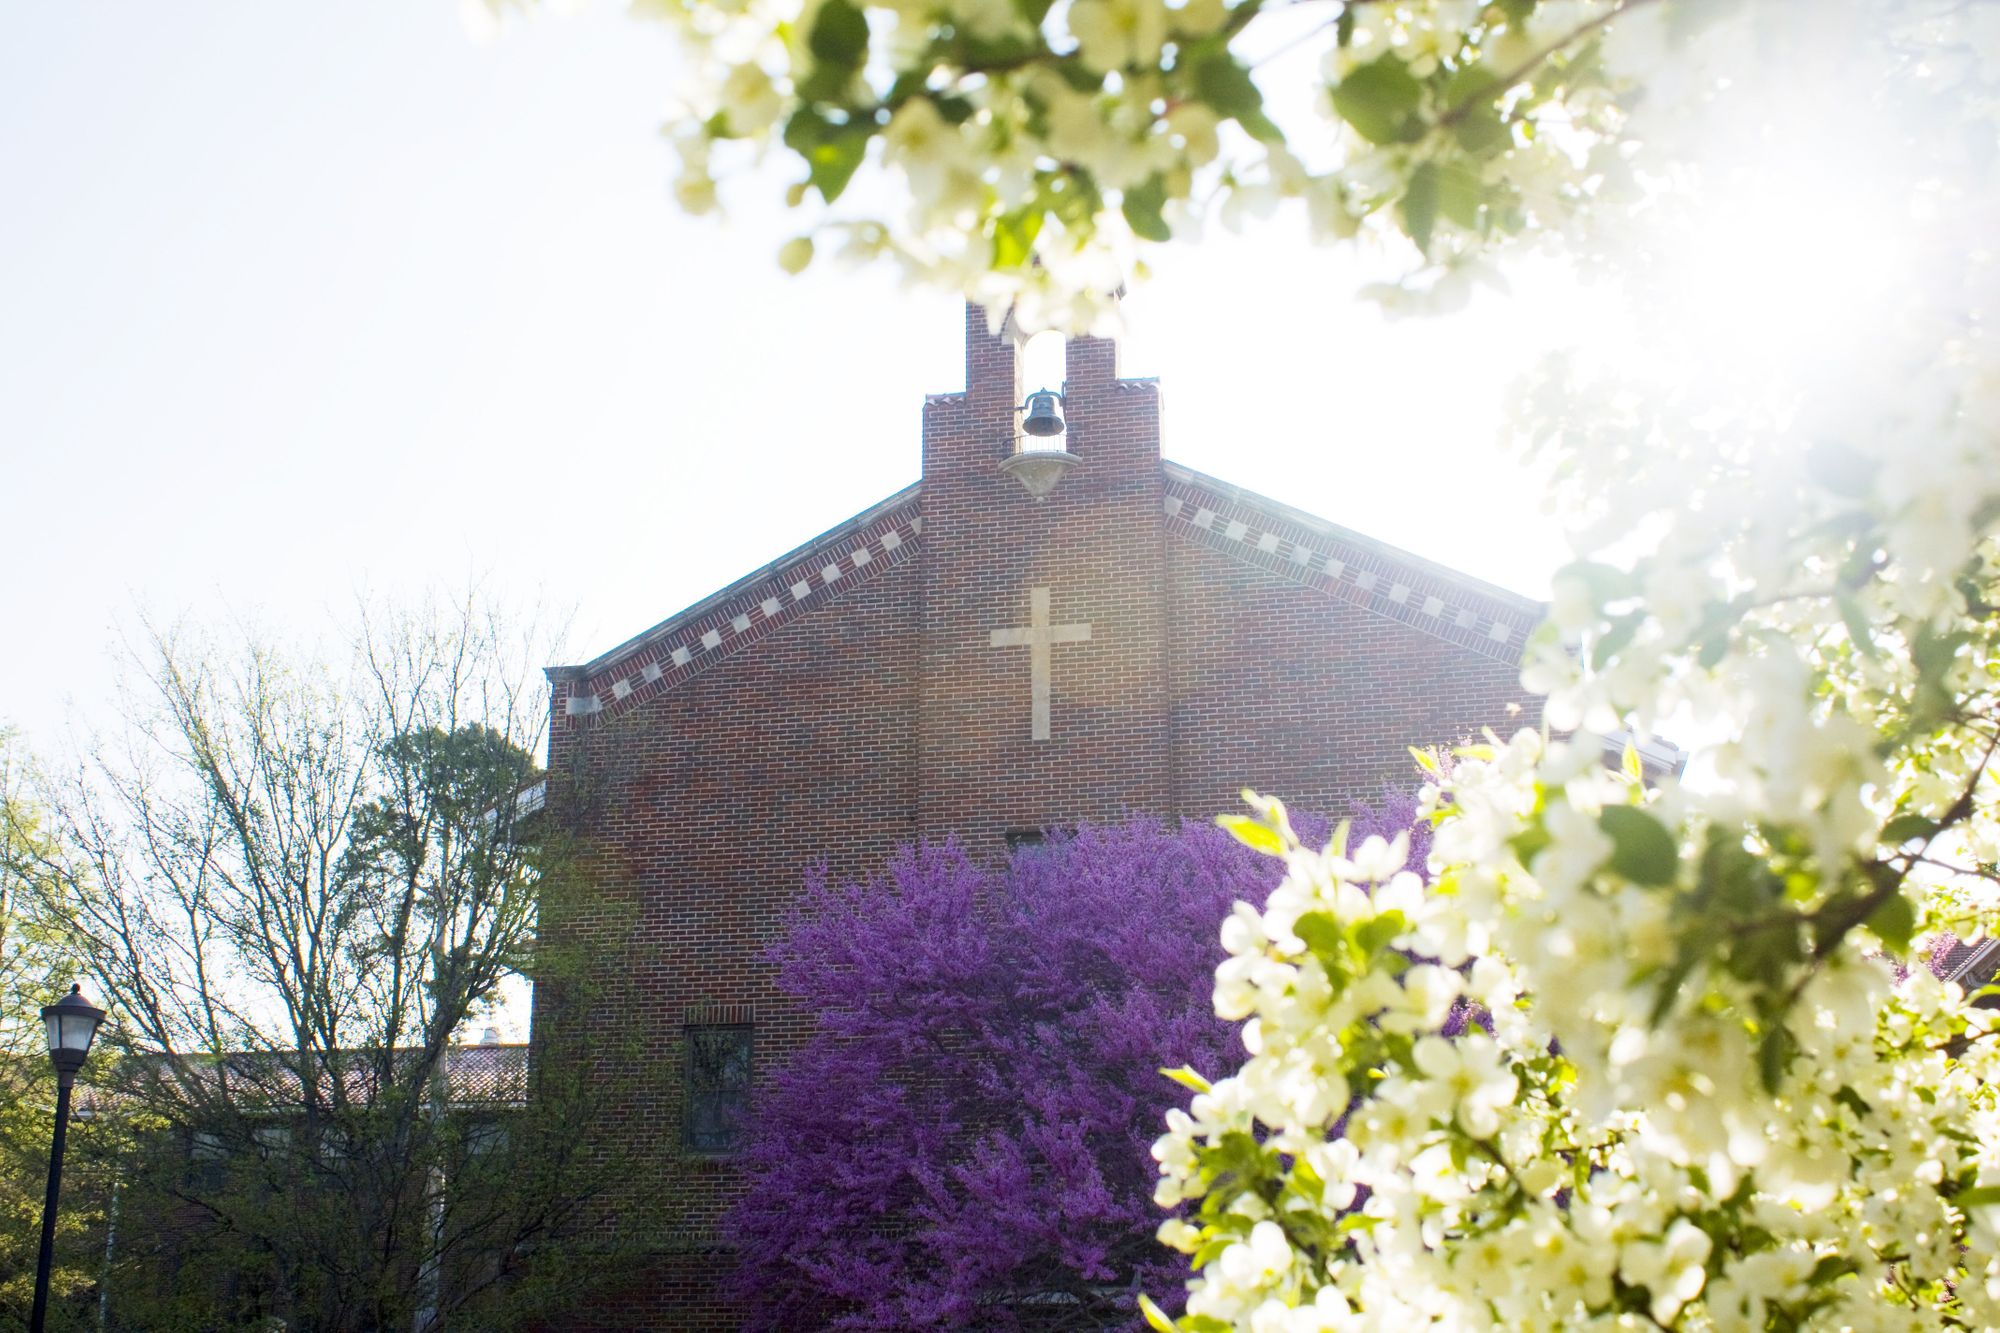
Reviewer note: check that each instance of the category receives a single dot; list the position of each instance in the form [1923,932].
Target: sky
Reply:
[304,303]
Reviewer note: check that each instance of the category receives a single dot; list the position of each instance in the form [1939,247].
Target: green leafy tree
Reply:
[300,892]
[36,959]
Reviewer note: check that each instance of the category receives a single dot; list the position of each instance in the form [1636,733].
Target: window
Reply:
[1021,839]
[485,1137]
[718,1085]
[208,1161]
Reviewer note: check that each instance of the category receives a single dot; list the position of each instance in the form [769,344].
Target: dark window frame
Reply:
[1028,839]
[718,1063]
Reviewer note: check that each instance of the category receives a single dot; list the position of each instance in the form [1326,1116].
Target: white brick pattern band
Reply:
[1375,577]
[724,624]
[1296,546]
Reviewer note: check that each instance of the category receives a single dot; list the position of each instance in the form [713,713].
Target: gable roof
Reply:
[489,1075]
[726,621]
[1971,964]
[1378,578]
[1373,575]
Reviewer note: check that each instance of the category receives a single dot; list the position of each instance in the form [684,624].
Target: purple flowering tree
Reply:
[965,1143]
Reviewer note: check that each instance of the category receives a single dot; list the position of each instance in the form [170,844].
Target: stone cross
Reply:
[1038,635]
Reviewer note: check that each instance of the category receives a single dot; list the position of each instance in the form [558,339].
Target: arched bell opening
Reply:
[1041,376]
[1041,456]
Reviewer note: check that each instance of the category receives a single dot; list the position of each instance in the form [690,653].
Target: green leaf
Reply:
[1079,76]
[839,35]
[1643,850]
[1156,1318]
[979,52]
[1772,1053]
[1935,653]
[1252,834]
[1894,922]
[1983,1196]
[1459,195]
[832,152]
[806,128]
[1034,11]
[1975,596]
[1073,196]
[1420,205]
[1230,91]
[1187,1078]
[1211,1250]
[1322,934]
[1481,132]
[1304,1180]
[1142,204]
[1731,877]
[1757,956]
[1380,101]
[1014,236]
[1373,935]
[825,83]
[1613,641]
[910,83]
[1261,127]
[1907,828]
[1529,842]
[1858,631]
[1467,82]
[834,162]
[1714,643]
[1670,988]
[1831,1268]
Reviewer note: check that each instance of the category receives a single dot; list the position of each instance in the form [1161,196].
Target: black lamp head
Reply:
[72,1023]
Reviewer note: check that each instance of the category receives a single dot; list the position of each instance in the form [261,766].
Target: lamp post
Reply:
[72,1022]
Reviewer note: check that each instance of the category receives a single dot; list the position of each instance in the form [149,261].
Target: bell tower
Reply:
[1043,684]
[1041,458]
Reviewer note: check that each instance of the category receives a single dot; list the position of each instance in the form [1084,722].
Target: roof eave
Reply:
[1314,523]
[797,555]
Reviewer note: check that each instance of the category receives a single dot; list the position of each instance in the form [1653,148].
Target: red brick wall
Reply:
[1308,697]
[1095,543]
[726,750]
[713,797]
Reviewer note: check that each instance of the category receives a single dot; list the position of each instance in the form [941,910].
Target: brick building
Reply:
[965,658]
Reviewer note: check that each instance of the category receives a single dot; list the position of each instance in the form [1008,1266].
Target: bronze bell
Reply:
[1043,417]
